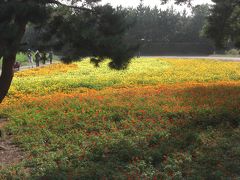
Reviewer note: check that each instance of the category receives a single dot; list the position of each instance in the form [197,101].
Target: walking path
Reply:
[9,153]
[26,67]
[224,58]
[34,66]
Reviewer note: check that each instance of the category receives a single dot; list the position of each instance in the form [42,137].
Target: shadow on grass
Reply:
[200,149]
[203,143]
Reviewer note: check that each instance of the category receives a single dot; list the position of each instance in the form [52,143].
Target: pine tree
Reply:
[16,14]
[223,23]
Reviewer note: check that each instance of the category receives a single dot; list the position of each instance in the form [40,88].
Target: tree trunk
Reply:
[7,74]
[9,58]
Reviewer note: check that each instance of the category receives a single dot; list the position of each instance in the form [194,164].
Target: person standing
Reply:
[44,57]
[50,56]
[37,58]
[30,59]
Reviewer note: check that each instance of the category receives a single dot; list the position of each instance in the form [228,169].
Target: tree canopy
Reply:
[223,24]
[99,35]
[169,31]
[157,25]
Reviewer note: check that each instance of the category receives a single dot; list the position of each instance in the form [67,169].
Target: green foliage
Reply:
[223,23]
[13,18]
[96,31]
[168,26]
[22,58]
[233,52]
[99,35]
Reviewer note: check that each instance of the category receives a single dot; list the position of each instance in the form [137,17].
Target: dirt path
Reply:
[10,154]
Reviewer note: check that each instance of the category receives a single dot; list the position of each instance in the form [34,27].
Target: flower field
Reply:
[159,119]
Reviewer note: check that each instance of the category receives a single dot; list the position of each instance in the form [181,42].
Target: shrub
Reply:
[233,52]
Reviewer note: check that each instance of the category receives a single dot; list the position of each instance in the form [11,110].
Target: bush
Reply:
[21,57]
[233,52]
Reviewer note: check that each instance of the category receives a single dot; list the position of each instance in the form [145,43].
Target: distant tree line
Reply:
[157,31]
[223,24]
[168,31]
[207,29]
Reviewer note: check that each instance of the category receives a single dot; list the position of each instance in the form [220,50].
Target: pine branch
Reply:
[56,2]
[70,6]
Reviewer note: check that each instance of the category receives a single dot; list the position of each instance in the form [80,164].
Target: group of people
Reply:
[39,57]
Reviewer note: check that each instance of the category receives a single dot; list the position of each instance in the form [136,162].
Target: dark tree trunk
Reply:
[7,74]
[9,58]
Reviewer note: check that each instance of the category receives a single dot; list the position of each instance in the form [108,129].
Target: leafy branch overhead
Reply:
[100,35]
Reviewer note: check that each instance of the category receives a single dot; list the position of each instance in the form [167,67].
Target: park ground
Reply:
[161,118]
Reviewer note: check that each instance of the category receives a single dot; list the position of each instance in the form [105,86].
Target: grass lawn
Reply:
[159,119]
